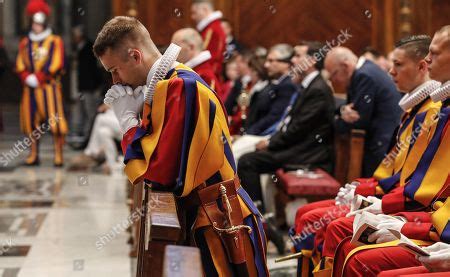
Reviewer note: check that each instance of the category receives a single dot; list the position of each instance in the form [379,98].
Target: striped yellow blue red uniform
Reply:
[427,186]
[185,144]
[424,176]
[45,59]
[429,167]
[385,179]
[441,222]
[424,228]
[387,176]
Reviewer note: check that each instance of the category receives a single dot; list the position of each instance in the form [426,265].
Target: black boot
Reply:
[274,234]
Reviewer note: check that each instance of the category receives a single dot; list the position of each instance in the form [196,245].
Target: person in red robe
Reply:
[193,55]
[210,27]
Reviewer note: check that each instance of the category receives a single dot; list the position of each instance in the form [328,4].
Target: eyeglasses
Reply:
[277,60]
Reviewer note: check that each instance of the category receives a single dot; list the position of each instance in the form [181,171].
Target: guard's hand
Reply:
[383,234]
[374,208]
[126,104]
[345,194]
[32,81]
[439,259]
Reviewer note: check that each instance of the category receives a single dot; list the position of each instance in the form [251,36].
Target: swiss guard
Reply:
[40,64]
[181,143]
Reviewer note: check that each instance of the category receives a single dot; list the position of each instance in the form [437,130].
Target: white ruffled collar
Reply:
[420,93]
[442,93]
[199,59]
[40,37]
[210,18]
[159,70]
[155,66]
[152,70]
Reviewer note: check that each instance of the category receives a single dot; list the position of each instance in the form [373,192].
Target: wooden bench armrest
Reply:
[356,154]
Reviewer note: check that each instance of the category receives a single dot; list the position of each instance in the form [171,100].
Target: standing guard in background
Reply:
[210,27]
[40,63]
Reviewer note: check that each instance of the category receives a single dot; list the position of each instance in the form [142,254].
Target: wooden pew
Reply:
[159,227]
[182,261]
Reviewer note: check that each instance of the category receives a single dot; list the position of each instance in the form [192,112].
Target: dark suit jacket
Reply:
[89,75]
[376,98]
[260,104]
[231,101]
[308,139]
[268,107]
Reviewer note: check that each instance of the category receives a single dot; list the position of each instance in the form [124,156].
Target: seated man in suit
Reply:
[272,101]
[193,55]
[372,103]
[277,64]
[305,133]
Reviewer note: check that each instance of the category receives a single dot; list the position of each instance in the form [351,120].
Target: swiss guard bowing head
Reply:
[176,138]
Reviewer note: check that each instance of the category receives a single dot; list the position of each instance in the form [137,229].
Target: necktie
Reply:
[285,118]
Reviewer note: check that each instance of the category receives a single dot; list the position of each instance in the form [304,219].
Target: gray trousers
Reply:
[84,113]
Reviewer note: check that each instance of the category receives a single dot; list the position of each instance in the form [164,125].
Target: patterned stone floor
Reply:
[51,221]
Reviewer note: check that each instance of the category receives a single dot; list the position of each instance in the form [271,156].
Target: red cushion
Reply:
[294,185]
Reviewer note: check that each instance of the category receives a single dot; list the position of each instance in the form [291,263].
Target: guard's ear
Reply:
[423,65]
[136,55]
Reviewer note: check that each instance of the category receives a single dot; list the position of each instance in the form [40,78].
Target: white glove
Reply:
[383,234]
[439,259]
[345,194]
[126,104]
[374,208]
[32,81]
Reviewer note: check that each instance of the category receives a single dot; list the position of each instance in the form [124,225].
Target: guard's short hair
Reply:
[416,47]
[116,31]
[445,29]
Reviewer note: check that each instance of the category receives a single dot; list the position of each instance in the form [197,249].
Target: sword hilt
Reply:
[289,257]
[232,229]
[226,203]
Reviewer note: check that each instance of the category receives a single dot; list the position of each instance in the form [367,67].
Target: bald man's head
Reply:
[340,64]
[190,41]
[341,54]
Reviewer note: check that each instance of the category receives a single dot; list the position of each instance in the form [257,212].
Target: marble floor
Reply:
[53,222]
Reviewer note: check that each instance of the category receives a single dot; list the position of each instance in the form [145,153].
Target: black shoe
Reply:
[58,164]
[275,235]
